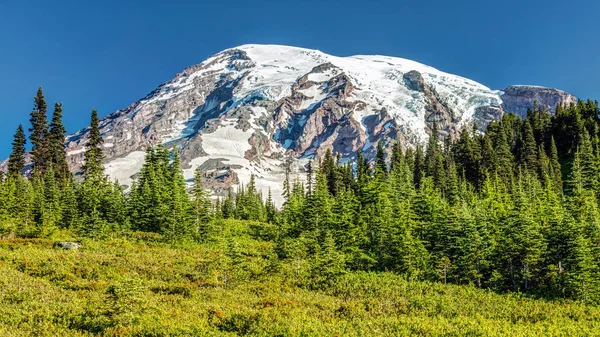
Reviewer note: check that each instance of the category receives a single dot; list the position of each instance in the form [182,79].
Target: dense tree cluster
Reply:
[511,209]
[516,208]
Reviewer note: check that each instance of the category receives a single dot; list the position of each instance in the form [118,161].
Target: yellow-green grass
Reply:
[130,287]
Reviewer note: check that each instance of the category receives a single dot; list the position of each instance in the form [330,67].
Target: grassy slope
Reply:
[119,287]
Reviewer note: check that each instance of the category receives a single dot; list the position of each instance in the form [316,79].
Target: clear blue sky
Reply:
[107,54]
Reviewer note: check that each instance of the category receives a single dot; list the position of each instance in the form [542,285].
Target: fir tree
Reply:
[528,149]
[419,169]
[177,224]
[57,134]
[329,167]
[380,159]
[93,167]
[555,167]
[16,161]
[271,210]
[202,204]
[228,205]
[40,142]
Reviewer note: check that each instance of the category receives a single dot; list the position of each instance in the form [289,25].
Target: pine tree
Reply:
[309,178]
[93,167]
[329,263]
[271,210]
[555,167]
[544,165]
[16,161]
[328,166]
[57,144]
[51,205]
[362,169]
[433,155]
[114,207]
[397,156]
[40,142]
[228,207]
[419,169]
[202,204]
[70,213]
[346,231]
[286,182]
[23,207]
[380,159]
[177,224]
[504,157]
[582,276]
[528,149]
[589,167]
[318,215]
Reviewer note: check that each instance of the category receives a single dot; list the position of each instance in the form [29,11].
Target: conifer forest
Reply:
[490,233]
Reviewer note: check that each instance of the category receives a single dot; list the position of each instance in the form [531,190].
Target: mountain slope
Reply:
[246,109]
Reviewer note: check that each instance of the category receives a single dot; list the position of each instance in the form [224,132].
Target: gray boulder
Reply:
[67,245]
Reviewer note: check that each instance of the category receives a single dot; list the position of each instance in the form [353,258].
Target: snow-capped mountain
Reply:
[245,110]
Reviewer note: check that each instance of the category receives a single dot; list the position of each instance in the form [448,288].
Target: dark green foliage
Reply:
[93,167]
[57,134]
[202,206]
[528,153]
[515,209]
[16,161]
[486,209]
[159,203]
[40,140]
[380,164]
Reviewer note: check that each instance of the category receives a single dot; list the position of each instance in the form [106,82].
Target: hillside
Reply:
[232,286]
[245,110]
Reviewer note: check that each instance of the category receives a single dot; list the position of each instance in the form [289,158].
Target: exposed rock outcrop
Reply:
[519,98]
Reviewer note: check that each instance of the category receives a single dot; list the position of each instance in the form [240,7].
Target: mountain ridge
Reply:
[244,110]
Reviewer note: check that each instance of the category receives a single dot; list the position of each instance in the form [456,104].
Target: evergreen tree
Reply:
[555,167]
[329,167]
[57,133]
[93,167]
[329,263]
[380,159]
[202,204]
[433,161]
[16,161]
[177,224]
[228,205]
[286,182]
[22,208]
[397,156]
[40,141]
[419,169]
[271,210]
[504,156]
[582,281]
[589,168]
[70,212]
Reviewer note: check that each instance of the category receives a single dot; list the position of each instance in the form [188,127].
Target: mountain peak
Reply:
[248,109]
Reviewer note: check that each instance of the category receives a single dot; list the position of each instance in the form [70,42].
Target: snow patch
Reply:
[74,152]
[122,169]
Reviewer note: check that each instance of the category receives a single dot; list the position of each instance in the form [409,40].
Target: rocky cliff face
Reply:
[246,110]
[519,98]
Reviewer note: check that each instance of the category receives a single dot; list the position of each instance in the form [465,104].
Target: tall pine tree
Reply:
[93,168]
[57,143]
[40,141]
[16,161]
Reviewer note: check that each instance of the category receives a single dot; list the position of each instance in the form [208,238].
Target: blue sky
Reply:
[107,54]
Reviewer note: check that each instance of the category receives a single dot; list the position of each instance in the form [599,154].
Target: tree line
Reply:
[515,208]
